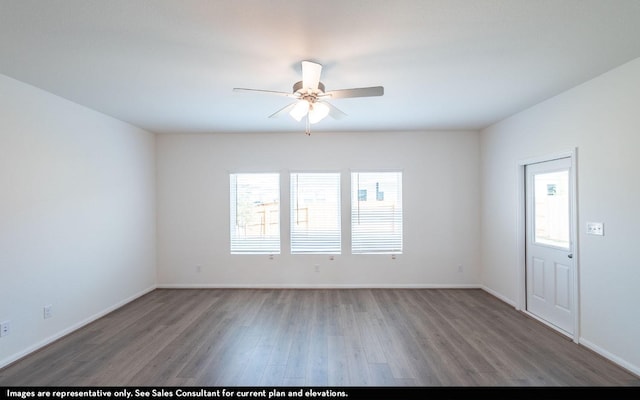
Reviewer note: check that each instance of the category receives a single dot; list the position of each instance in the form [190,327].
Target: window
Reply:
[551,210]
[376,212]
[255,213]
[315,213]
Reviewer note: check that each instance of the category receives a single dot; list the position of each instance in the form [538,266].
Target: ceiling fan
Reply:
[310,96]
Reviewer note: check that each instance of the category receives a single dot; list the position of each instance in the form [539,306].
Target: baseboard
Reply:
[313,286]
[499,296]
[634,369]
[15,357]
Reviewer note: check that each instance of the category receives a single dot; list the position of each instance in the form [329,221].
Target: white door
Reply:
[549,265]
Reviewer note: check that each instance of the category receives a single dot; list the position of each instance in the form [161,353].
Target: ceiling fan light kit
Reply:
[310,93]
[299,110]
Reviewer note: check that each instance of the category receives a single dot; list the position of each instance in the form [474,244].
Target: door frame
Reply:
[521,304]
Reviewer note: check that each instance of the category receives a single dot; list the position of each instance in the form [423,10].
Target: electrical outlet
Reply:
[5,328]
[317,266]
[198,268]
[595,228]
[48,311]
[460,268]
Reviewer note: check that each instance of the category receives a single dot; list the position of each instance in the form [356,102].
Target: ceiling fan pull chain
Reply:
[308,128]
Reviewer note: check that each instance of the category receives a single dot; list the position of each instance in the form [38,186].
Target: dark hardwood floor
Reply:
[334,337]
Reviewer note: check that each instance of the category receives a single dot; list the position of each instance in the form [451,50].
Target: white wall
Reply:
[77,215]
[602,119]
[440,196]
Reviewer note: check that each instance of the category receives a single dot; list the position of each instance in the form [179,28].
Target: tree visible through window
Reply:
[255,213]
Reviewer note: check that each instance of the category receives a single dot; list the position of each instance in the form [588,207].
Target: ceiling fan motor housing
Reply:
[307,93]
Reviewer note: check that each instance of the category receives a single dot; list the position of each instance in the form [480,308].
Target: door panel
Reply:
[538,278]
[549,265]
[563,291]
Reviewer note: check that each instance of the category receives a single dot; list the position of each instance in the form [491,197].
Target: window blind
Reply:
[376,212]
[315,213]
[255,213]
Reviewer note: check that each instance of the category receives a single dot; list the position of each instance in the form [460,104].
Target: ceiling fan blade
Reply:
[285,94]
[356,92]
[334,112]
[310,75]
[283,110]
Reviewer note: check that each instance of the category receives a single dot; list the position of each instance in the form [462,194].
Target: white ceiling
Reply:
[170,66]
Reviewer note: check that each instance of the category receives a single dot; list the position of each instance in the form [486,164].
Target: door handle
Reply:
[570,256]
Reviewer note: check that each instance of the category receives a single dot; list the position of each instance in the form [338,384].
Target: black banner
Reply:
[307,393]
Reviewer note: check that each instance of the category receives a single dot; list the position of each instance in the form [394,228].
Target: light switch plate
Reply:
[595,228]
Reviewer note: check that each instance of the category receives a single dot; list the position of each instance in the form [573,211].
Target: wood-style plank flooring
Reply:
[309,337]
